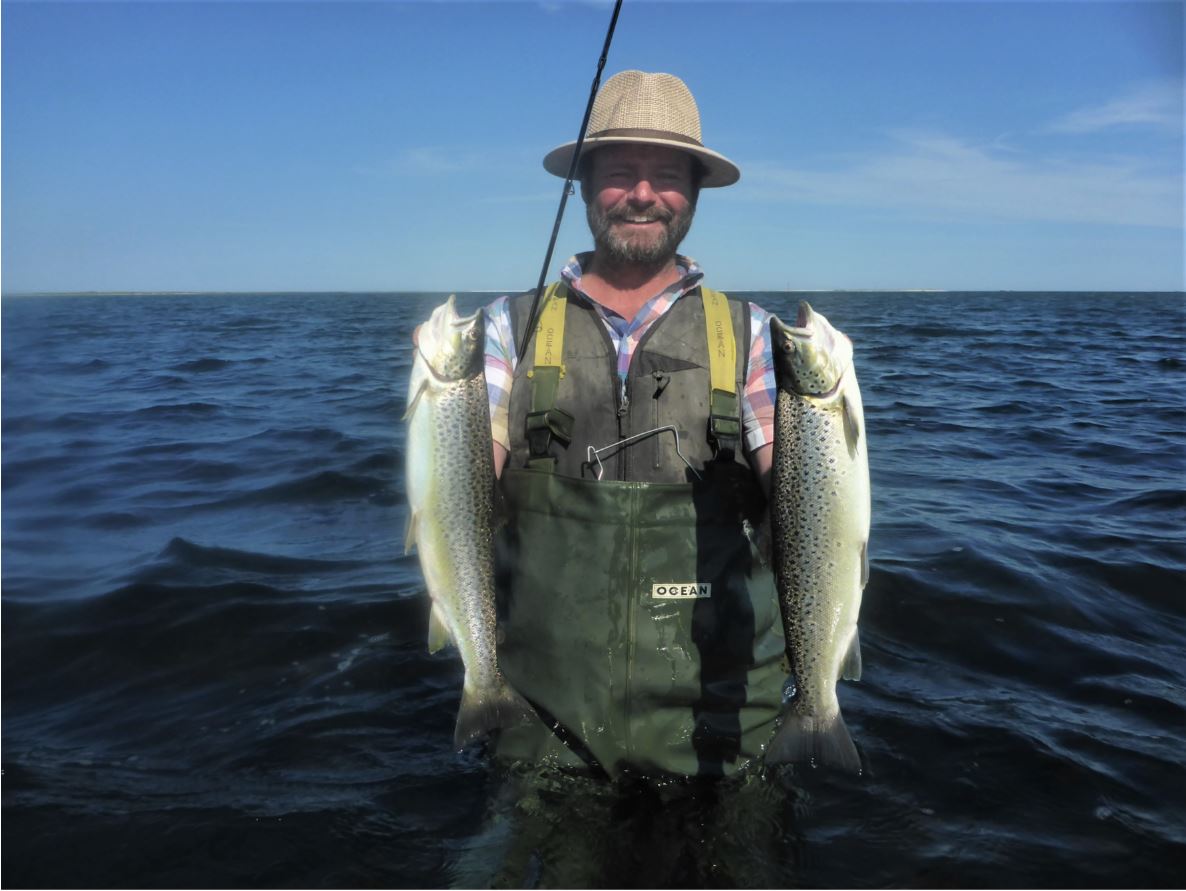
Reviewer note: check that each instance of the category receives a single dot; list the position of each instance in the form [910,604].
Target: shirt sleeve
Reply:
[500,368]
[761,391]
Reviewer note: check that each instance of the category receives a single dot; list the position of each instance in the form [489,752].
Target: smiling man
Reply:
[632,442]
[640,200]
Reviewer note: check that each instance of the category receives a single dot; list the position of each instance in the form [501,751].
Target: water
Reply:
[214,669]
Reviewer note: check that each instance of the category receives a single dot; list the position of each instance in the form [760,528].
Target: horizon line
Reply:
[446,291]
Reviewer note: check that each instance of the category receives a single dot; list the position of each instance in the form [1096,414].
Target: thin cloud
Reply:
[426,161]
[941,174]
[553,7]
[431,160]
[525,198]
[1153,105]
[453,161]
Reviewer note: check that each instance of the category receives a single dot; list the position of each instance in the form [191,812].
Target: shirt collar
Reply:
[690,274]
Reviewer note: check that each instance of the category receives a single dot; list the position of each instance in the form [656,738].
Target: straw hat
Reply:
[654,109]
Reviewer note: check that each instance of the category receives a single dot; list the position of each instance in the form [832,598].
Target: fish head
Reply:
[811,356]
[452,346]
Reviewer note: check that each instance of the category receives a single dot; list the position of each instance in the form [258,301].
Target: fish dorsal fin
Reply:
[438,632]
[850,669]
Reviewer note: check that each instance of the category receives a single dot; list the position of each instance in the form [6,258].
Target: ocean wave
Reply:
[324,486]
[181,551]
[201,365]
[114,520]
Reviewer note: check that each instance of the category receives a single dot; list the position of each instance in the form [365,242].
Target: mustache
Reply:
[650,216]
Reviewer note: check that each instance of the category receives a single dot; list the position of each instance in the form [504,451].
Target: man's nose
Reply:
[642,193]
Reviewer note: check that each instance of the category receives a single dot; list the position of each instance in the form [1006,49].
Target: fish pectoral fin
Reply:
[410,533]
[438,632]
[864,564]
[852,427]
[414,401]
[850,668]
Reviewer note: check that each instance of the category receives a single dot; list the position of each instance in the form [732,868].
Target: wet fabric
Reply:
[638,621]
[547,829]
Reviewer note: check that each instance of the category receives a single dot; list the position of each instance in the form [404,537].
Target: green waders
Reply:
[635,616]
[640,625]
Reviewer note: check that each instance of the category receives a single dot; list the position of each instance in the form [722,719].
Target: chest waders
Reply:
[634,613]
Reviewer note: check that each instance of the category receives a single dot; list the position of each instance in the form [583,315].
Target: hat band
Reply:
[647,134]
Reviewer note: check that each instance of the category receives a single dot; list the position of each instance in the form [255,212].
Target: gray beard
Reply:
[618,251]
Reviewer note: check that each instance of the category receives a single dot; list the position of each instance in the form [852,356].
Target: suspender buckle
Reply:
[724,426]
[544,427]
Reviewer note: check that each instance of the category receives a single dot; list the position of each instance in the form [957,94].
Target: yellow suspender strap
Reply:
[724,420]
[722,348]
[549,336]
[545,421]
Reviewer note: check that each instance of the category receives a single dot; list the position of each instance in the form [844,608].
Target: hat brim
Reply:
[719,170]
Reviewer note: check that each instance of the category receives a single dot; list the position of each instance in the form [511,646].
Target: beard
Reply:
[645,248]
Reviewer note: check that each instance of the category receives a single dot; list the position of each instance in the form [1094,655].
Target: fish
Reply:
[820,508]
[451,487]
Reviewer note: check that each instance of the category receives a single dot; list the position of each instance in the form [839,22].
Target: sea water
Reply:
[214,662]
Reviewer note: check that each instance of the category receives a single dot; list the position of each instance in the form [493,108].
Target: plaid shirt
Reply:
[757,399]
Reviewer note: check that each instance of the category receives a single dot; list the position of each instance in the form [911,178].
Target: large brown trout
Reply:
[450,484]
[820,522]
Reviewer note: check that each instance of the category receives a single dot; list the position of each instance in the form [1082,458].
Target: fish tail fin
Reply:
[484,711]
[819,740]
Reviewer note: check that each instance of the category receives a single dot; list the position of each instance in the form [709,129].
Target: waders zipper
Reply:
[623,413]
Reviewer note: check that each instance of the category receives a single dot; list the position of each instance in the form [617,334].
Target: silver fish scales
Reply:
[450,486]
[820,516]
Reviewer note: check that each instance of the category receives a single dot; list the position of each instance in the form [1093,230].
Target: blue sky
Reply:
[398,146]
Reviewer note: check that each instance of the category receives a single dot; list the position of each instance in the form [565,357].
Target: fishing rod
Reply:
[532,317]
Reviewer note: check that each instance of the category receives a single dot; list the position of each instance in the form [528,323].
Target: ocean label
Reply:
[681,590]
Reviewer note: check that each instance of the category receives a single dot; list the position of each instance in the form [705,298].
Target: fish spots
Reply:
[463,465]
[815,484]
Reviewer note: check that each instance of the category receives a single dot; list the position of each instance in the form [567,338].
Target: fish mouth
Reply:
[804,327]
[803,316]
[455,320]
[447,326]
[798,332]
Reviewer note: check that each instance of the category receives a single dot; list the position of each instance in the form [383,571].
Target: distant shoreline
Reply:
[497,293]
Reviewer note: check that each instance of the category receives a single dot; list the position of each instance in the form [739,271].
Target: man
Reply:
[637,618]
[633,444]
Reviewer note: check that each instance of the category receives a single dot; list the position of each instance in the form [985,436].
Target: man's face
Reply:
[640,200]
